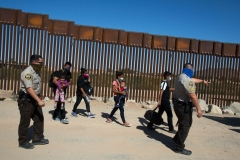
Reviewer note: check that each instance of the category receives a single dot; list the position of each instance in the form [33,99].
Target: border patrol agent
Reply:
[30,105]
[184,99]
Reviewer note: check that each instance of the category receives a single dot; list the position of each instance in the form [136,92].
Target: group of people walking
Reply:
[30,104]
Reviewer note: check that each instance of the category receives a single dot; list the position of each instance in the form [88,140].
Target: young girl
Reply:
[62,83]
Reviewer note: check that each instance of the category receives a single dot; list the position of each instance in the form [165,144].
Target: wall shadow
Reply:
[231,121]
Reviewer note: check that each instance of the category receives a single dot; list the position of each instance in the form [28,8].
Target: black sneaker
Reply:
[150,127]
[184,152]
[26,145]
[172,131]
[41,142]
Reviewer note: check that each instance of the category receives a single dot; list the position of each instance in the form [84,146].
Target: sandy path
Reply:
[211,137]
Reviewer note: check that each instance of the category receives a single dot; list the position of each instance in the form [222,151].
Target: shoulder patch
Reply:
[28,76]
[190,83]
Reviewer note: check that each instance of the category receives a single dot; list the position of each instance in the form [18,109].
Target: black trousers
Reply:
[30,110]
[184,124]
[79,99]
[58,112]
[165,106]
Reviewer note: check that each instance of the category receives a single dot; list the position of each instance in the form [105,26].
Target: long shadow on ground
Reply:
[106,115]
[231,121]
[82,112]
[164,139]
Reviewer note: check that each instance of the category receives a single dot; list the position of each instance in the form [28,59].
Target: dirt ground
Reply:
[211,137]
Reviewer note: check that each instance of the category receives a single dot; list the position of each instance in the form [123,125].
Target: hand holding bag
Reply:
[153,116]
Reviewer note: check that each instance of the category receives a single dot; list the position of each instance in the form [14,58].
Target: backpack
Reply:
[50,82]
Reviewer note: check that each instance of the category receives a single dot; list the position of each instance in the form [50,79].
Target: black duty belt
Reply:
[180,102]
[25,95]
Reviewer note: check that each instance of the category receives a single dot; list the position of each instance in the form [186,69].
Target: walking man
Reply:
[30,105]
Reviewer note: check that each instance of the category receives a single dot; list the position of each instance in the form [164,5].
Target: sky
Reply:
[214,20]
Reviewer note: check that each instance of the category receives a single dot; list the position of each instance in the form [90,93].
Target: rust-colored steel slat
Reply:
[126,69]
[134,40]
[140,75]
[54,57]
[158,75]
[2,39]
[15,64]
[159,43]
[98,60]
[135,72]
[237,86]
[147,63]
[139,87]
[217,50]
[182,45]
[10,16]
[78,60]
[154,75]
[233,95]
[105,72]
[110,37]
[111,69]
[61,28]
[11,58]
[20,54]
[205,49]
[46,62]
[229,50]
[74,69]
[92,61]
[102,67]
[130,71]
[74,58]
[68,43]
[7,57]
[74,48]
[143,83]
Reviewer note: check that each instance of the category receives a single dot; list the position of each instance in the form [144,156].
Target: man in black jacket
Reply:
[83,82]
[68,76]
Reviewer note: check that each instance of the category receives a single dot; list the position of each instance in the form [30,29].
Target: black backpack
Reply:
[50,82]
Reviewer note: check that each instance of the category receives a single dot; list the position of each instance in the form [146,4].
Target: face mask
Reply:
[188,72]
[121,79]
[67,69]
[85,75]
[36,67]
[170,78]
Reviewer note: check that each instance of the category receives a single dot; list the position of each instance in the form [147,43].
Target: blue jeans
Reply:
[121,101]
